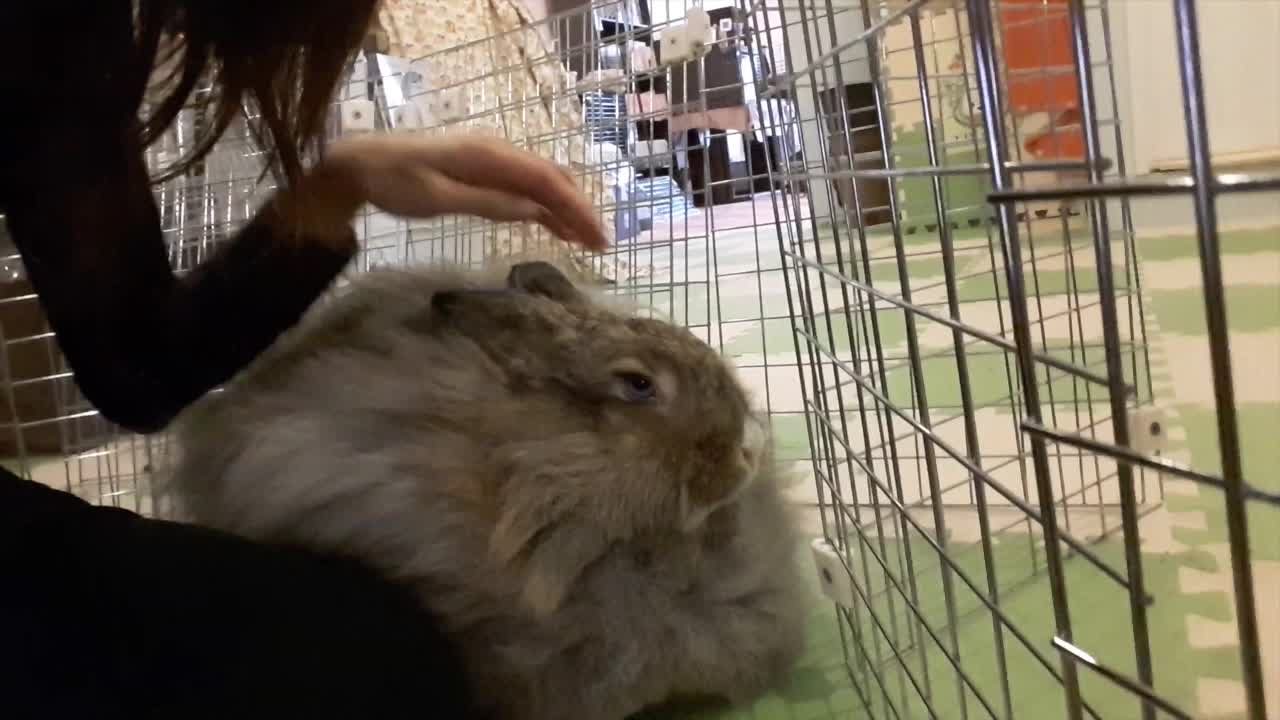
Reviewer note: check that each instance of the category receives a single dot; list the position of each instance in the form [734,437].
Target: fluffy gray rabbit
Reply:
[581,494]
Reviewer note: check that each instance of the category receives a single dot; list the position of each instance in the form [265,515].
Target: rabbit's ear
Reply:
[542,278]
[542,529]
[557,562]
[477,307]
[551,548]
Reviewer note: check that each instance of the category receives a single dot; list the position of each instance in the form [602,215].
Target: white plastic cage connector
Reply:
[687,42]
[358,116]
[444,107]
[1149,431]
[406,117]
[833,577]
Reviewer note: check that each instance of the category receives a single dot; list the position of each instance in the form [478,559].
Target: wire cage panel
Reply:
[987,435]
[909,224]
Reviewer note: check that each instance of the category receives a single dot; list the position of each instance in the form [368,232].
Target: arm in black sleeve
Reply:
[143,343]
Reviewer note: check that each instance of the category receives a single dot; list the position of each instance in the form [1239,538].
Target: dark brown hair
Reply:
[278,60]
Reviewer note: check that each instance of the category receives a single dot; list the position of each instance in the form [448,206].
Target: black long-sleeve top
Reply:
[143,343]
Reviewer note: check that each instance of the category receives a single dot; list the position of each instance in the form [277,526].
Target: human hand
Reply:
[468,175]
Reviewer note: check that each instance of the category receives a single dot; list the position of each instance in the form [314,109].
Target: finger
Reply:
[577,187]
[567,175]
[453,197]
[558,228]
[501,166]
[548,185]
[495,164]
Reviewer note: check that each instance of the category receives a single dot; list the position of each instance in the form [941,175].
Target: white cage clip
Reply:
[358,116]
[407,116]
[445,106]
[833,577]
[687,42]
[1148,431]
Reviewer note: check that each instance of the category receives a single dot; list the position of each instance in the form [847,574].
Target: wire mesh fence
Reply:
[978,377]
[909,223]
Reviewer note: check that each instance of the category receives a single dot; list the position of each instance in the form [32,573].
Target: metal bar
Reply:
[948,170]
[982,29]
[1126,209]
[1219,352]
[1115,363]
[1049,360]
[867,35]
[1010,374]
[953,659]
[1150,698]
[869,660]
[1060,536]
[1078,327]
[883,118]
[978,490]
[1091,425]
[1161,465]
[1215,185]
[990,603]
[817,372]
[872,335]
[913,347]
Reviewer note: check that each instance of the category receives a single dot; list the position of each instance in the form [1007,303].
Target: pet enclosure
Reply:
[910,225]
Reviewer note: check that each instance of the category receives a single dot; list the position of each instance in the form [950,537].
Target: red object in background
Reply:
[1042,78]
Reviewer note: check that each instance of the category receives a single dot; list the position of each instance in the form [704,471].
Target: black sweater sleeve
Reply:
[143,343]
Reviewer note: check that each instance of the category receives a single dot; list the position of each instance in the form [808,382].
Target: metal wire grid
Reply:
[675,265]
[50,432]
[906,429]
[707,268]
[950,415]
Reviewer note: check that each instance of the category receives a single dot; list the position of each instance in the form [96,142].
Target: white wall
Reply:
[1240,52]
[1240,55]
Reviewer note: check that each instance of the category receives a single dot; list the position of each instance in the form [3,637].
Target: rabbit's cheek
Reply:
[730,481]
[746,470]
[629,443]
[755,441]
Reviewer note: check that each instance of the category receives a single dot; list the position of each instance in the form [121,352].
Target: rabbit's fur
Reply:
[480,435]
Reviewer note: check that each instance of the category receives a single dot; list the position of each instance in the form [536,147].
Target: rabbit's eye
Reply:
[636,387]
